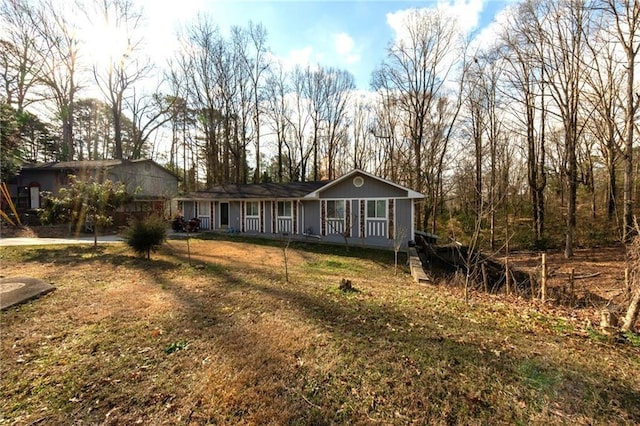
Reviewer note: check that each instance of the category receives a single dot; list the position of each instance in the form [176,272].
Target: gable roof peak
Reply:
[410,193]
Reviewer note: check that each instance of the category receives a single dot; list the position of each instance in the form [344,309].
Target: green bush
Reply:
[146,235]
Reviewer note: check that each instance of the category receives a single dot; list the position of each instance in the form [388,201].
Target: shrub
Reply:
[146,235]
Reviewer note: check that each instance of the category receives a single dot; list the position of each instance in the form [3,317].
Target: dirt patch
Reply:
[599,277]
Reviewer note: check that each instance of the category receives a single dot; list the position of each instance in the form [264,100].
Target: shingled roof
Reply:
[256,191]
[86,164]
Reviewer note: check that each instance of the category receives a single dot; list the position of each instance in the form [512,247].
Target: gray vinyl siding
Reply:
[370,189]
[235,217]
[403,218]
[309,214]
[268,216]
[311,217]
[355,218]
[146,178]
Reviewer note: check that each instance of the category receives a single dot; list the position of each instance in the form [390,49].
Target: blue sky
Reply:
[352,35]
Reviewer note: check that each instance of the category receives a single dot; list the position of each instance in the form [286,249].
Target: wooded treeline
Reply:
[539,117]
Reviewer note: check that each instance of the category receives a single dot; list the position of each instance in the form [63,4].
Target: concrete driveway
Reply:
[29,241]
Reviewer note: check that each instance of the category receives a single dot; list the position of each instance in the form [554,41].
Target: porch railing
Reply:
[284,225]
[335,226]
[252,224]
[205,223]
[376,227]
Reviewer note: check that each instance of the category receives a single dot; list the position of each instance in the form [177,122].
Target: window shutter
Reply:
[262,216]
[362,215]
[323,217]
[274,213]
[242,215]
[294,216]
[391,218]
[347,219]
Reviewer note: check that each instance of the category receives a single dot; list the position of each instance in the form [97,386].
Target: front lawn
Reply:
[227,341]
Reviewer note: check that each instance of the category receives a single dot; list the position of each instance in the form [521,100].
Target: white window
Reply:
[377,209]
[335,209]
[284,208]
[252,208]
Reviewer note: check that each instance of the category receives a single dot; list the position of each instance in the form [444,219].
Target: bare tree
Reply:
[605,77]
[339,85]
[148,114]
[257,65]
[524,75]
[277,111]
[315,95]
[476,110]
[125,67]
[362,156]
[60,66]
[203,50]
[299,122]
[626,17]
[559,29]
[182,118]
[386,127]
[21,48]
[416,69]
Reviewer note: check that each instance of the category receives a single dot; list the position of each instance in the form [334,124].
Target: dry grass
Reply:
[124,341]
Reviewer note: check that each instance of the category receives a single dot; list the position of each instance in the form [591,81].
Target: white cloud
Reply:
[490,34]
[345,46]
[466,13]
[304,57]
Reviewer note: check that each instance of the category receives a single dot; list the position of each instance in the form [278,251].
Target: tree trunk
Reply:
[611,190]
[632,312]
[573,186]
[628,151]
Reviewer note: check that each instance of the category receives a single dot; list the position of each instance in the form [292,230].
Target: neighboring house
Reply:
[358,206]
[153,185]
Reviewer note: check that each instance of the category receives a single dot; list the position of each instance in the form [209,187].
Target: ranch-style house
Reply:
[358,208]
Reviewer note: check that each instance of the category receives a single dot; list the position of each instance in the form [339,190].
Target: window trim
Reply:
[384,210]
[246,209]
[284,203]
[344,209]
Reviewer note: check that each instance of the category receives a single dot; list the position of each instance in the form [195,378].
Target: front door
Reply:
[224,215]
[34,195]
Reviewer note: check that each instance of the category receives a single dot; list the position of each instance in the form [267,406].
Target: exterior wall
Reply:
[363,230]
[308,221]
[268,216]
[389,222]
[153,181]
[371,188]
[403,222]
[146,176]
[235,215]
[49,180]
[310,217]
